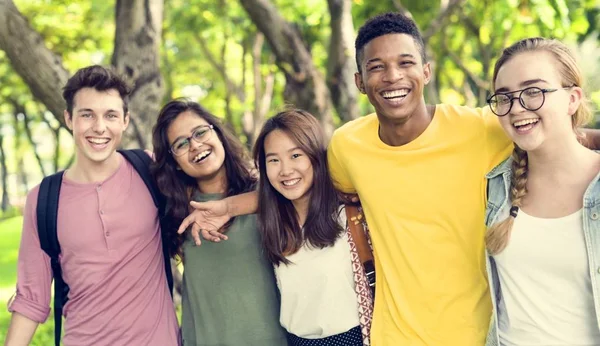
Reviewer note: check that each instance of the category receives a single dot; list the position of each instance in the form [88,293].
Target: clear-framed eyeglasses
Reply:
[531,99]
[200,135]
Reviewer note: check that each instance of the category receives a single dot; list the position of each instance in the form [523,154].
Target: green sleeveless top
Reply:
[229,292]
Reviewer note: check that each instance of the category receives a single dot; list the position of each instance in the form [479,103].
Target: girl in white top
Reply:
[304,233]
[541,274]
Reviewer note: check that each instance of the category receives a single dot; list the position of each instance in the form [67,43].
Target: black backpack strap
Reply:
[47,216]
[141,161]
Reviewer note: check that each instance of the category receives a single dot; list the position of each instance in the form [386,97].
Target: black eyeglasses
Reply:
[200,135]
[531,99]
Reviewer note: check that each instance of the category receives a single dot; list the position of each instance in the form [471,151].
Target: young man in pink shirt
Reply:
[108,230]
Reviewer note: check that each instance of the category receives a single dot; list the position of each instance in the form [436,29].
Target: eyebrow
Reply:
[289,151]
[524,84]
[91,110]
[404,55]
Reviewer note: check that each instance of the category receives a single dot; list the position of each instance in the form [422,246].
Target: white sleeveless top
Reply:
[545,284]
[317,290]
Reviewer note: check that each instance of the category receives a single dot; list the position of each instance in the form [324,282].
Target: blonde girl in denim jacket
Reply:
[543,237]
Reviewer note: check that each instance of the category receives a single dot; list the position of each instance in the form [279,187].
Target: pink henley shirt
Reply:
[111,259]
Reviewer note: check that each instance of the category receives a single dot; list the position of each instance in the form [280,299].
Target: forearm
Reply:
[20,331]
[242,204]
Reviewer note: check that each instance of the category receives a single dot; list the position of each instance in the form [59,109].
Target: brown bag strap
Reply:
[355,220]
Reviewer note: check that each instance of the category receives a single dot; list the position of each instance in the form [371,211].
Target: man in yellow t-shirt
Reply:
[420,173]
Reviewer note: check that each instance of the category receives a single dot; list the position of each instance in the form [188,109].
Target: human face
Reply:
[203,160]
[393,77]
[289,169]
[552,121]
[97,123]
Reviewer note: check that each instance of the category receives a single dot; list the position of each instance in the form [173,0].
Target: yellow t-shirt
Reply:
[425,203]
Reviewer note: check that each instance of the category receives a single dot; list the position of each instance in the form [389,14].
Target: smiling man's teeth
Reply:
[525,122]
[98,140]
[201,155]
[291,182]
[395,93]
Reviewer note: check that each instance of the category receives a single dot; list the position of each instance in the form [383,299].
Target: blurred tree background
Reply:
[243,60]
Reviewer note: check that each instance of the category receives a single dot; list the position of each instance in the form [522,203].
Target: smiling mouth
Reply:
[395,94]
[291,182]
[525,124]
[98,141]
[201,156]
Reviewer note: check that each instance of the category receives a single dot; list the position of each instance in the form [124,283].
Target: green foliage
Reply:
[10,231]
[218,73]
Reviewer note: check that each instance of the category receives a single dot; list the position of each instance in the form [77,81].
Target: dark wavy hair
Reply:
[278,221]
[384,24]
[176,185]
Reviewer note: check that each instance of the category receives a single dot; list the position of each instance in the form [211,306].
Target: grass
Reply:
[10,233]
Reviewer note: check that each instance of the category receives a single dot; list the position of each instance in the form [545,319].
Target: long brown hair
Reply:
[498,235]
[175,184]
[278,220]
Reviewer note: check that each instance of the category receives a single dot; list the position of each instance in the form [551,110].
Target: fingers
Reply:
[196,234]
[199,205]
[185,224]
[218,235]
[213,236]
[350,198]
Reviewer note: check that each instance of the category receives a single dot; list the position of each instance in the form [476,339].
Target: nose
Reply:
[194,144]
[99,125]
[286,168]
[516,106]
[392,74]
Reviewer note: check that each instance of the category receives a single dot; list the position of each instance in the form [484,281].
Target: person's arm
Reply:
[209,217]
[20,331]
[592,138]
[31,303]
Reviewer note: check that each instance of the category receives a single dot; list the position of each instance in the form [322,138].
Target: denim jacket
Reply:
[497,209]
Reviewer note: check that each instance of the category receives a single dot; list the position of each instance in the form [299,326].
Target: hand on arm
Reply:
[209,217]
[20,331]
[592,138]
[349,198]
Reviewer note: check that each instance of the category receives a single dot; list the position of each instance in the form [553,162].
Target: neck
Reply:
[560,160]
[86,171]
[398,133]
[215,184]
[301,206]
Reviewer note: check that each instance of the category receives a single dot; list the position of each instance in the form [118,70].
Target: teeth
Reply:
[98,140]
[395,93]
[525,122]
[291,182]
[201,155]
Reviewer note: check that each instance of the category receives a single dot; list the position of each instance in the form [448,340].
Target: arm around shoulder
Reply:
[592,138]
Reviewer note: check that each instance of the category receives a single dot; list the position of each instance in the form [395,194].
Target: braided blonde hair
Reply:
[498,235]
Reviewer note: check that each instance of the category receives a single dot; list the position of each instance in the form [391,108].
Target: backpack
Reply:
[47,215]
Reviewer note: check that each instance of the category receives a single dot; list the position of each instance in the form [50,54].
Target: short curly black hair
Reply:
[387,23]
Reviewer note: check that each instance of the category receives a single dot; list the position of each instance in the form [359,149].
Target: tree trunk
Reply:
[305,86]
[341,61]
[136,55]
[34,146]
[21,173]
[5,202]
[40,68]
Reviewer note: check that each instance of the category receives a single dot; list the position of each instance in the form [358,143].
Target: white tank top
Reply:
[317,290]
[545,284]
